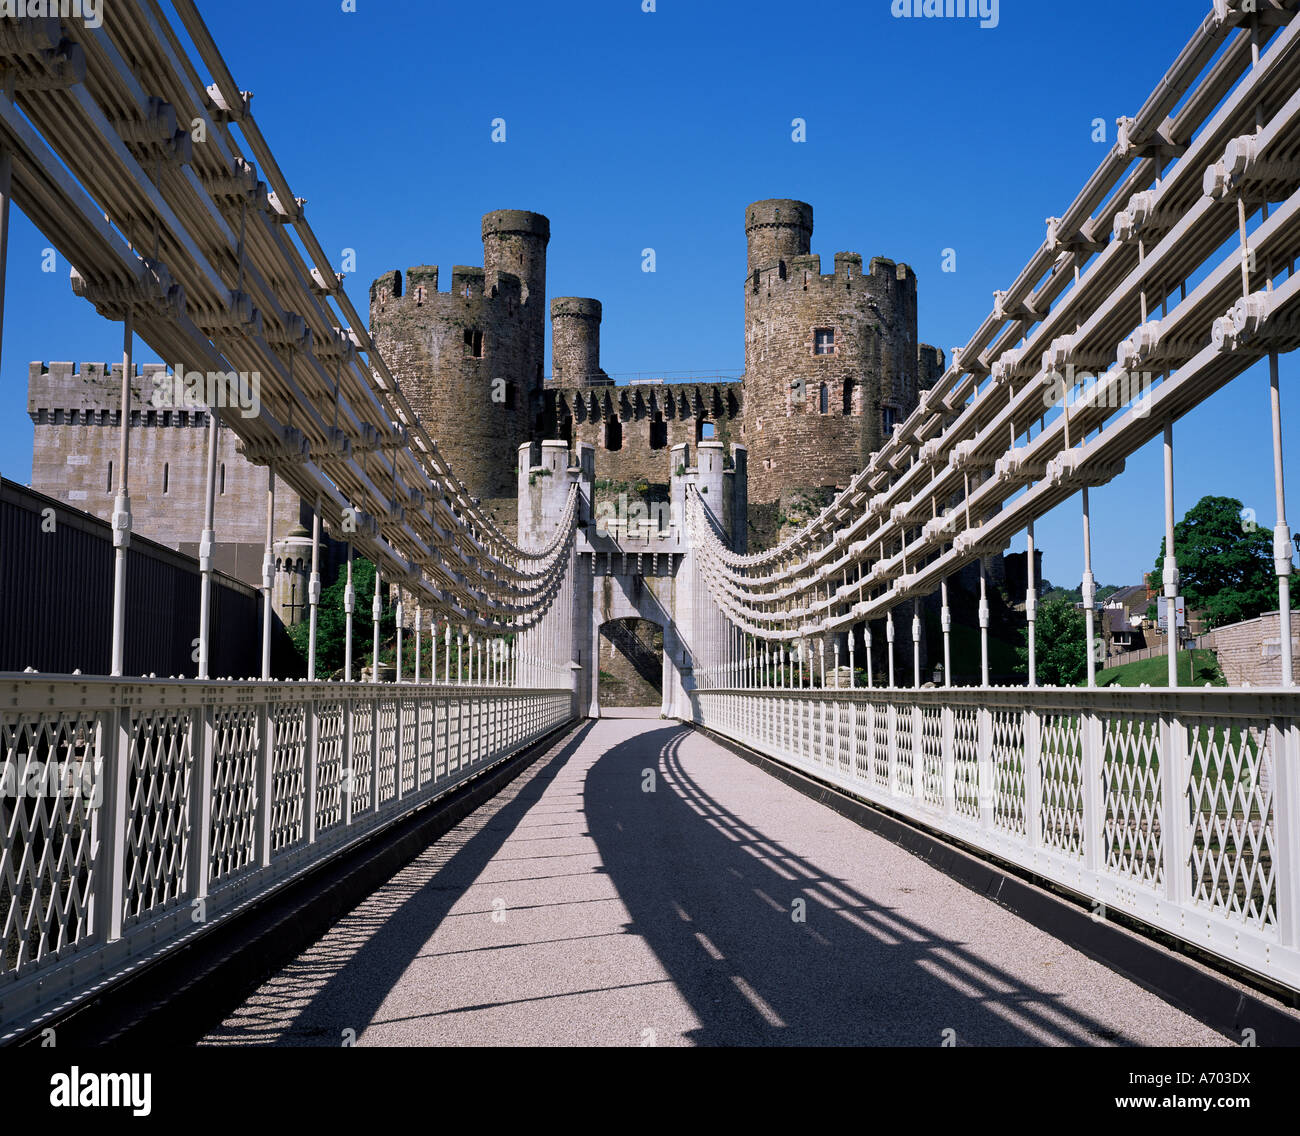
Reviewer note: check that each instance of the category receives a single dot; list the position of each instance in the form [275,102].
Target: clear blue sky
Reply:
[633,130]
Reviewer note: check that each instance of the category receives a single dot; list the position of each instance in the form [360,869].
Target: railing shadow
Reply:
[340,982]
[713,897]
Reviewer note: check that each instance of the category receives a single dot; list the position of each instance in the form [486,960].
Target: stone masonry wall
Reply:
[75,453]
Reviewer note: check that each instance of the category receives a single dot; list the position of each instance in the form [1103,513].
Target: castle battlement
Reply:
[883,277]
[92,389]
[468,283]
[714,401]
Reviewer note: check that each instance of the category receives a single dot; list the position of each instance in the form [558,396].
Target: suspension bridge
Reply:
[758,860]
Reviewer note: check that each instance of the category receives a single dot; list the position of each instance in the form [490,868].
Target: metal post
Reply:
[313,592]
[1282,550]
[1171,561]
[122,506]
[419,634]
[1031,607]
[349,606]
[268,572]
[945,622]
[984,624]
[916,644]
[446,658]
[1089,592]
[397,666]
[6,179]
[376,610]
[206,545]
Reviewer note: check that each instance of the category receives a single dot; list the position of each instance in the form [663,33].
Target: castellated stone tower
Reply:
[575,342]
[831,361]
[470,361]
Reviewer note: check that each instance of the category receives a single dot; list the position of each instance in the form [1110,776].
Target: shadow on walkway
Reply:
[714,897]
[340,982]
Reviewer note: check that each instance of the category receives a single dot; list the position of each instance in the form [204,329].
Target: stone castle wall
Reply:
[76,414]
[633,429]
[470,361]
[831,360]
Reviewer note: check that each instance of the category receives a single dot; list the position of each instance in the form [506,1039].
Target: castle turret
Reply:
[470,360]
[831,361]
[777,230]
[575,342]
[514,246]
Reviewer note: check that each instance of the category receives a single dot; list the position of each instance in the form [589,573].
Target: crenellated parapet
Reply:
[832,361]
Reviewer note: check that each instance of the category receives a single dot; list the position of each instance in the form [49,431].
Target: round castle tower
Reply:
[470,361]
[831,361]
[575,342]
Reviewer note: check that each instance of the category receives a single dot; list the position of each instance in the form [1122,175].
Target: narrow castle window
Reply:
[756,279]
[223,479]
[419,296]
[658,433]
[613,434]
[109,487]
[889,418]
[848,396]
[824,400]
[167,469]
[824,341]
[474,341]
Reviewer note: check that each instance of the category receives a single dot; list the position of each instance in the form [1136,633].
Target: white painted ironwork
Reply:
[136,814]
[1178,808]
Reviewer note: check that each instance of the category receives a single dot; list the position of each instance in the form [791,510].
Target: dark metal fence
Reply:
[56,599]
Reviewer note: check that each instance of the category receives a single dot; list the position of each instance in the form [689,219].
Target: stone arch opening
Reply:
[631,668]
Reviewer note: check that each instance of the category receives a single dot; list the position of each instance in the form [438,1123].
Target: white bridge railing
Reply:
[136,814]
[1180,808]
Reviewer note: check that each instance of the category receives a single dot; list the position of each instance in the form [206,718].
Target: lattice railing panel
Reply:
[331,737]
[932,755]
[1009,769]
[1234,838]
[49,782]
[288,766]
[1131,786]
[237,739]
[1061,772]
[363,728]
[157,815]
[966,763]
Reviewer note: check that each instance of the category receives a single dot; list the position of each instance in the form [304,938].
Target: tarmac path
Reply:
[578,907]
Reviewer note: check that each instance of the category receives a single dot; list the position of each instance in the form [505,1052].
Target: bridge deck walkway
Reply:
[578,908]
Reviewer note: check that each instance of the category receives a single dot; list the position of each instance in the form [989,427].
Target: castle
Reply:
[832,362]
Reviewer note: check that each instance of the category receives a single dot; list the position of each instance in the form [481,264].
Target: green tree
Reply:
[331,623]
[1225,564]
[1061,644]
